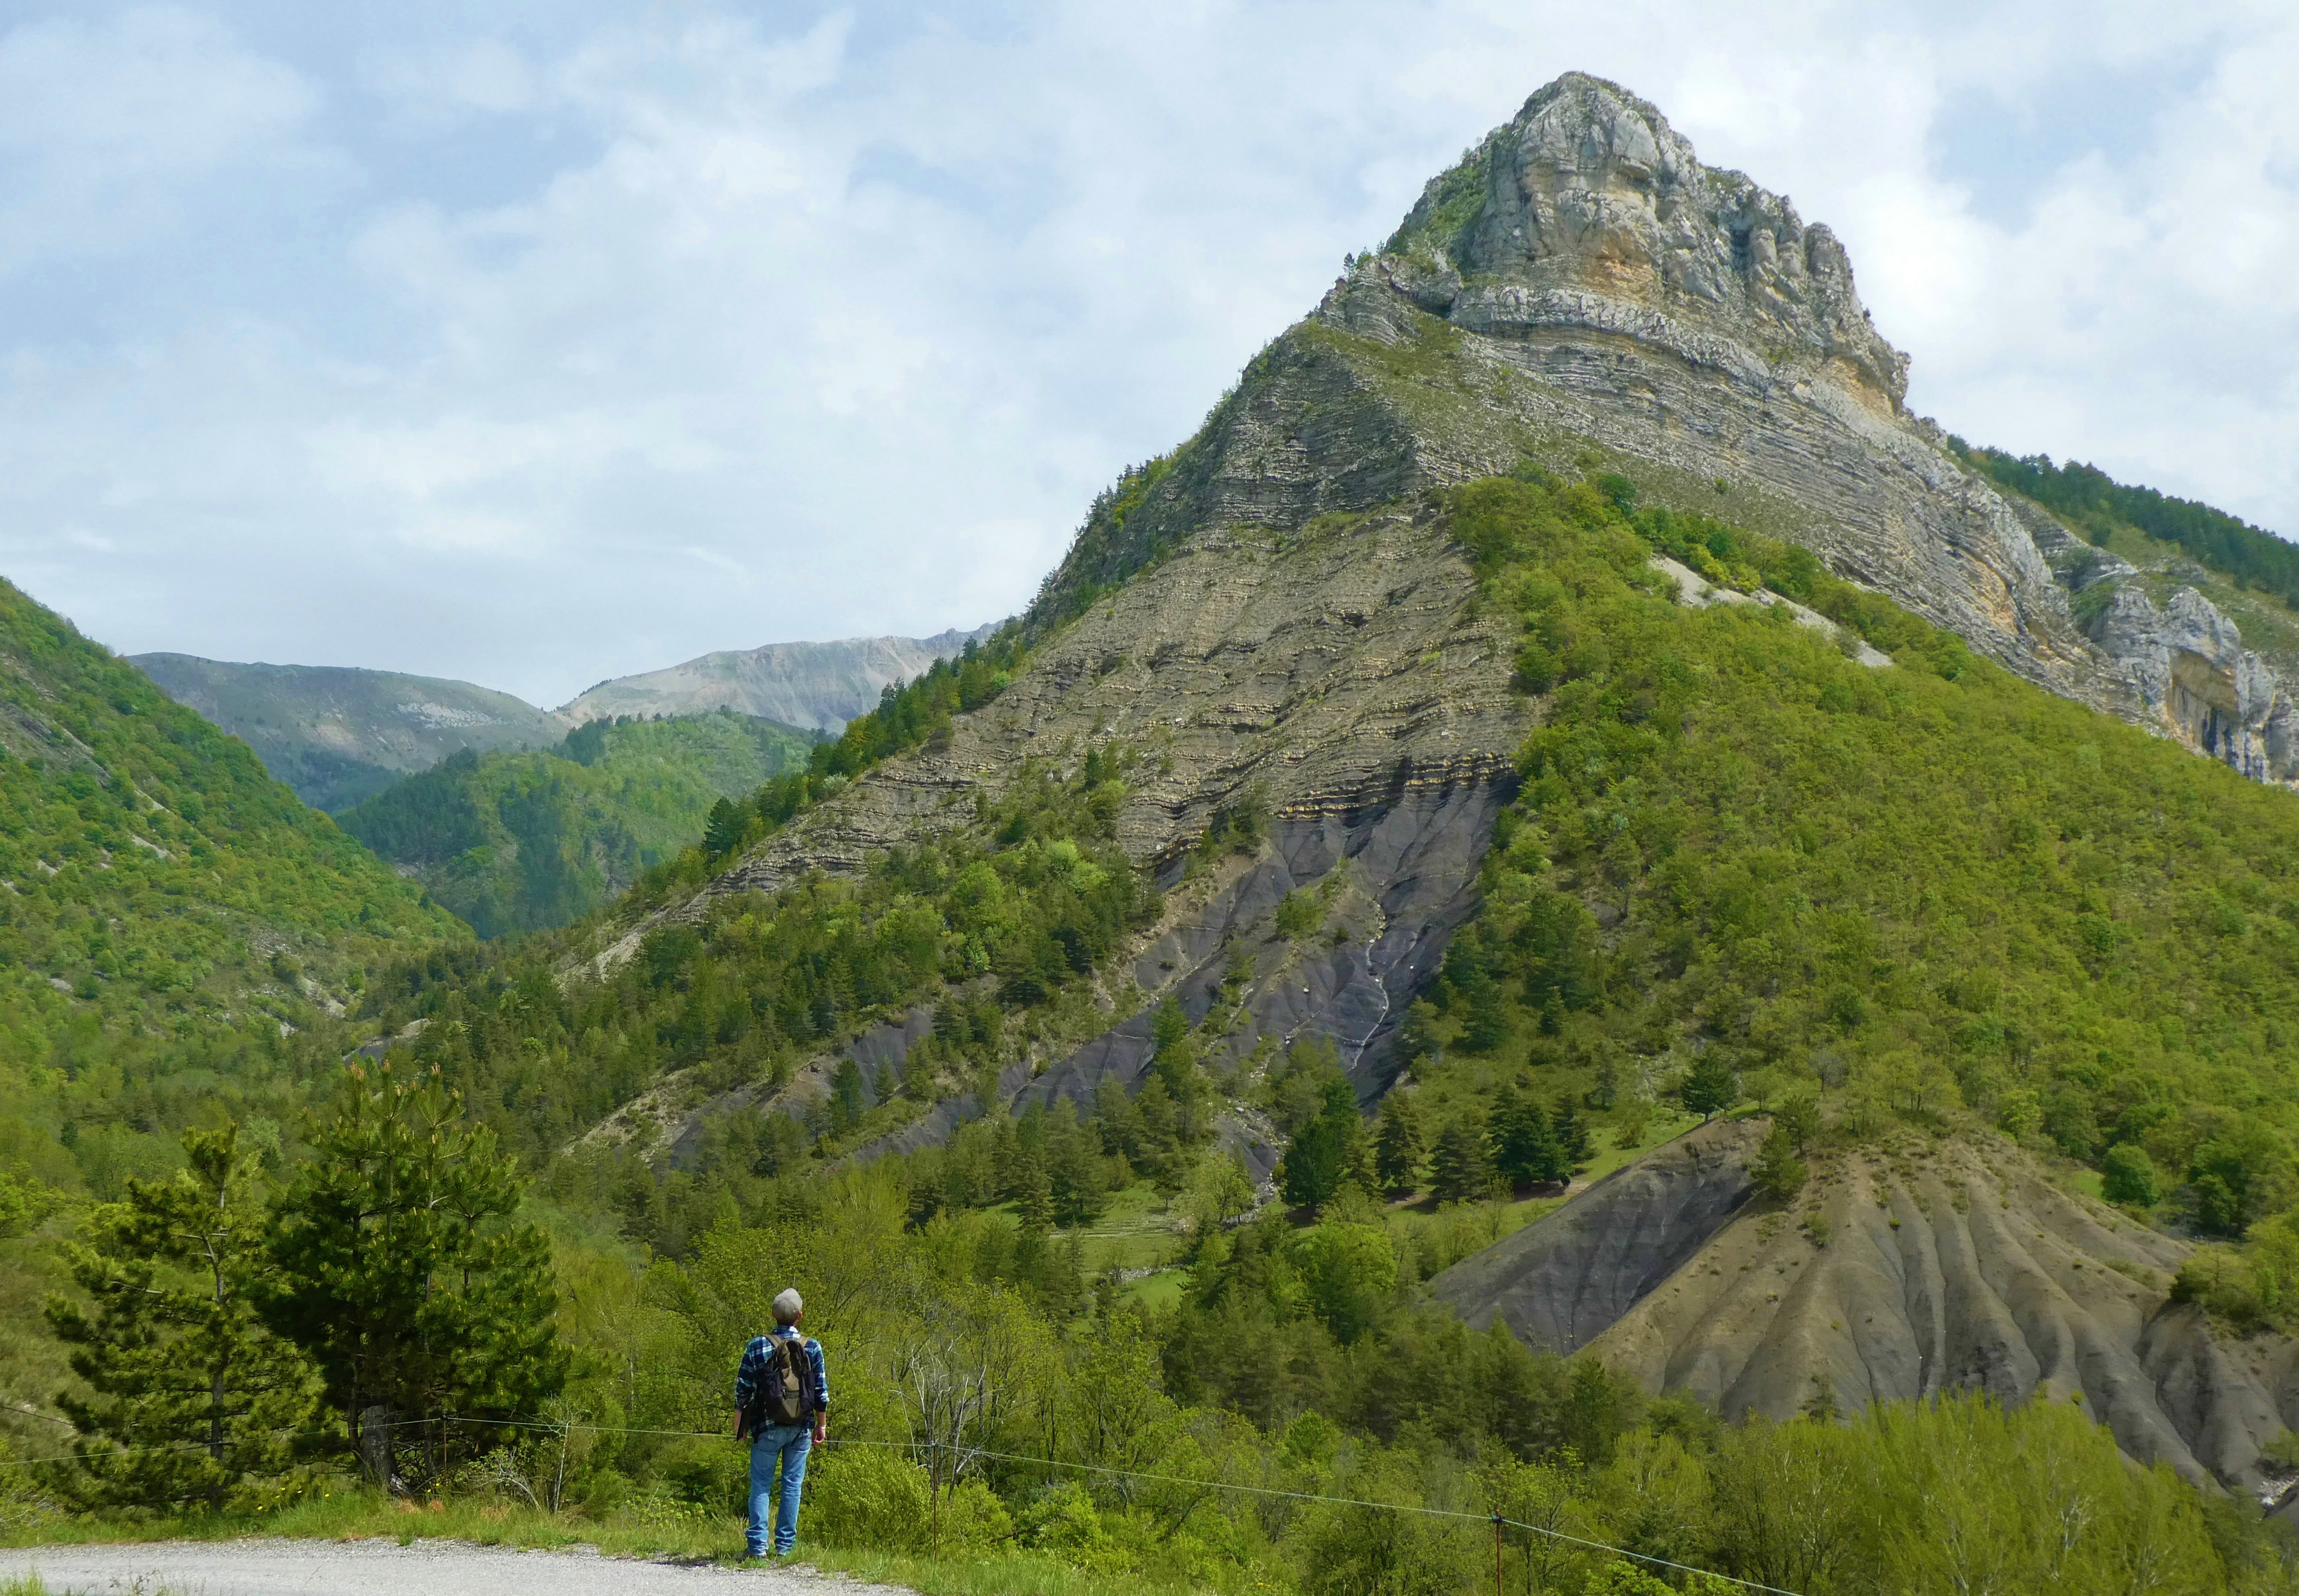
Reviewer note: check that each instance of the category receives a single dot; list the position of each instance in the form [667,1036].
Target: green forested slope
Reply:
[2096,504]
[527,842]
[170,917]
[1929,891]
[338,734]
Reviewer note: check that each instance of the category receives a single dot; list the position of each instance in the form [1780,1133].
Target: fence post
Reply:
[933,1490]
[1497,1555]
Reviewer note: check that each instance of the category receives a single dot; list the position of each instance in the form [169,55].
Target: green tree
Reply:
[1779,1173]
[1328,1150]
[2128,1175]
[402,1274]
[1075,1174]
[1460,1168]
[1799,1115]
[1572,1134]
[1525,1149]
[1348,1271]
[1400,1144]
[722,833]
[195,1402]
[1710,1087]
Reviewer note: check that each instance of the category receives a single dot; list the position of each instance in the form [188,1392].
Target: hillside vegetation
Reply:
[1739,863]
[1927,890]
[532,840]
[167,912]
[2096,504]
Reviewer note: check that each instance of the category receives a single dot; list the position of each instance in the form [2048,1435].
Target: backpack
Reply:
[786,1390]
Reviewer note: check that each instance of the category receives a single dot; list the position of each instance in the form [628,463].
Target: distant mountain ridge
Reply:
[340,734]
[337,734]
[819,686]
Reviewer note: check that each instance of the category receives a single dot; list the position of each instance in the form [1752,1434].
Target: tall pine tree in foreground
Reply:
[403,1273]
[194,1403]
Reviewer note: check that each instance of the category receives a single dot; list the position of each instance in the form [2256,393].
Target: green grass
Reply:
[357,1515]
[1163,1289]
[1136,1231]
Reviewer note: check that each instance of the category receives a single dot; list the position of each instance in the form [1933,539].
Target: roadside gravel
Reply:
[384,1567]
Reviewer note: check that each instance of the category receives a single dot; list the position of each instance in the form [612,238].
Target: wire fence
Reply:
[1500,1522]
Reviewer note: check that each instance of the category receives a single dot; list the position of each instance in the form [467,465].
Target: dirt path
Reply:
[384,1567]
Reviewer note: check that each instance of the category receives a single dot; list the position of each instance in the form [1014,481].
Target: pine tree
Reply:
[1572,1135]
[1075,1173]
[1460,1170]
[194,1399]
[401,1274]
[1779,1173]
[1800,1116]
[723,832]
[1329,1149]
[1524,1148]
[1711,1087]
[1400,1145]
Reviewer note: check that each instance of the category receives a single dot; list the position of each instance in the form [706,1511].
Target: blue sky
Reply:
[538,344]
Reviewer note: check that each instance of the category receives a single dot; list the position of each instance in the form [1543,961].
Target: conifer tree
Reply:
[1332,1148]
[1779,1173]
[1400,1145]
[1711,1087]
[723,832]
[1572,1135]
[1077,1187]
[1524,1146]
[194,1400]
[1460,1170]
[402,1274]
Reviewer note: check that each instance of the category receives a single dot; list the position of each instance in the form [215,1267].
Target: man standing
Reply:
[782,1401]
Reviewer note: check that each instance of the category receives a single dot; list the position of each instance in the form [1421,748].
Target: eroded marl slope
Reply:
[1900,1273]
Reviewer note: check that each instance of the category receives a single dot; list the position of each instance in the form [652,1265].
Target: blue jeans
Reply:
[777,1468]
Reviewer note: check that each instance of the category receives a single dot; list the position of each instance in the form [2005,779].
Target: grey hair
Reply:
[788,1306]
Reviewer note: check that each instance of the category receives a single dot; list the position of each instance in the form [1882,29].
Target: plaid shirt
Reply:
[753,1368]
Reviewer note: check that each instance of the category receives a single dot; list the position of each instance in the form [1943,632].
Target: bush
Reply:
[872,1498]
[2127,1176]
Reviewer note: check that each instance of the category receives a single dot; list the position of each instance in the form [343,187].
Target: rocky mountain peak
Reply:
[1588,192]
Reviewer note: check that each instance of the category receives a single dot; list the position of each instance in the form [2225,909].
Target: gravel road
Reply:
[384,1567]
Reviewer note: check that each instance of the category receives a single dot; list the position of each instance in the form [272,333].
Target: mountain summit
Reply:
[1580,284]
[1589,210]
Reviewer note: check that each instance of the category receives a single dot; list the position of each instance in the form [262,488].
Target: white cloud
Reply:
[603,342]
[107,128]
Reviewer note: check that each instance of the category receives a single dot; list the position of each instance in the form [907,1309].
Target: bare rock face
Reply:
[1900,1273]
[1596,212]
[2186,662]
[1332,670]
[1569,1276]
[1337,677]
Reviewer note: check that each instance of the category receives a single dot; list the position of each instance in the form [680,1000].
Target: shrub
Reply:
[2127,1176]
[873,1498]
